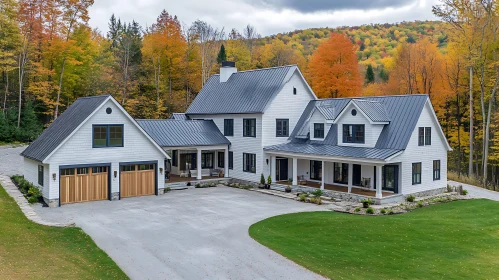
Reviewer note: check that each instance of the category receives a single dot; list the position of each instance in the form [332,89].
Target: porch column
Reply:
[198,167]
[350,177]
[226,162]
[273,166]
[379,187]
[295,171]
[323,175]
[178,162]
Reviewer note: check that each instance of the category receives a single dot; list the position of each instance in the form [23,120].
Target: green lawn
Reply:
[33,251]
[457,240]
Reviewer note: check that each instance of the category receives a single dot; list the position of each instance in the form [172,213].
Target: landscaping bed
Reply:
[456,240]
[30,192]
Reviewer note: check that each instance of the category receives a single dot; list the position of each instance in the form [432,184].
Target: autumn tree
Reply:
[333,70]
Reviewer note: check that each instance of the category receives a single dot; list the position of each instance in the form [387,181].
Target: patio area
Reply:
[337,188]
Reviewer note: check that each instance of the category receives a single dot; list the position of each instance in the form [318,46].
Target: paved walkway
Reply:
[476,191]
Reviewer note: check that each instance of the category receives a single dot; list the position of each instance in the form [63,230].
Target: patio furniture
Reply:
[365,183]
[184,174]
[215,172]
[204,173]
[302,180]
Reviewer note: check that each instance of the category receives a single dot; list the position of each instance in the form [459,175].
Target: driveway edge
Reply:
[26,208]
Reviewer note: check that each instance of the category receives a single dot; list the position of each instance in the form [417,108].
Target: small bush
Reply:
[198,185]
[382,211]
[369,211]
[303,197]
[420,204]
[189,184]
[464,192]
[317,193]
[269,180]
[32,199]
[357,209]
[168,189]
[410,198]
[316,200]
[262,179]
[390,212]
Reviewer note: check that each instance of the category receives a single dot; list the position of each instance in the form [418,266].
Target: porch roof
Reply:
[334,151]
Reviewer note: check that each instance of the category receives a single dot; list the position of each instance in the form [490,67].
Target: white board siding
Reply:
[424,154]
[240,144]
[31,175]
[78,149]
[371,131]
[285,105]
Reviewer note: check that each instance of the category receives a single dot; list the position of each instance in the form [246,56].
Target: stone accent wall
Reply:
[115,196]
[51,202]
[428,192]
[244,182]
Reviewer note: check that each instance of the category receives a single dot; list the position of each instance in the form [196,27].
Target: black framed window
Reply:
[127,168]
[249,127]
[40,175]
[69,171]
[107,136]
[318,130]
[354,133]
[315,170]
[427,136]
[231,160]
[146,166]
[294,91]
[416,173]
[82,170]
[436,170]
[282,127]
[249,163]
[101,169]
[421,136]
[229,127]
[207,160]
[341,173]
[221,159]
[175,158]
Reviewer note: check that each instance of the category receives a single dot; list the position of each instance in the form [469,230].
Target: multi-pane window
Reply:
[282,128]
[229,127]
[427,136]
[318,130]
[175,158]
[341,173]
[69,171]
[249,127]
[353,133]
[221,159]
[99,169]
[249,163]
[40,175]
[416,173]
[82,170]
[231,160]
[107,136]
[127,168]
[207,160]
[146,166]
[421,136]
[436,170]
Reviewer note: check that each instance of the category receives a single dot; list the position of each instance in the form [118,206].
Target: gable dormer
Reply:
[360,123]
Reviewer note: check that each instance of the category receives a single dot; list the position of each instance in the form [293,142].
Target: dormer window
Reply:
[354,133]
[354,112]
[318,130]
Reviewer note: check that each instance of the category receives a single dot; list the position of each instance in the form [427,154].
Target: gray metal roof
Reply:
[181,133]
[178,116]
[402,111]
[374,110]
[244,92]
[333,150]
[62,127]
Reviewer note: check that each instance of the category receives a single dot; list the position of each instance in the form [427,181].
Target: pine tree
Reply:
[30,125]
[222,56]
[383,75]
[369,74]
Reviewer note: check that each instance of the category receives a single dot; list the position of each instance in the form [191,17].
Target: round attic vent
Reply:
[109,110]
[354,112]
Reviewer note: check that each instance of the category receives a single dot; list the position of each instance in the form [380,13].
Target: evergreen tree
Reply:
[383,75]
[222,56]
[369,74]
[30,125]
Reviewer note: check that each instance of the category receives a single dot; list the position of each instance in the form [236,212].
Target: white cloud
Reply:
[266,19]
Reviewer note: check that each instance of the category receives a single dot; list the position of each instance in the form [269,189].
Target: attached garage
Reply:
[138,179]
[84,183]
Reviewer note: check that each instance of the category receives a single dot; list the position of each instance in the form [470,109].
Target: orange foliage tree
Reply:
[333,69]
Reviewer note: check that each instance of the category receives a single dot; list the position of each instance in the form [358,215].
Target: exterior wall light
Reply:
[161,170]
[54,176]
[115,173]
[267,160]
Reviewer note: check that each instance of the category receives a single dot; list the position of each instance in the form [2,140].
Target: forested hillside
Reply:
[50,56]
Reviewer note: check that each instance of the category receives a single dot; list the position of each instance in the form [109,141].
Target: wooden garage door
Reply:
[137,180]
[84,184]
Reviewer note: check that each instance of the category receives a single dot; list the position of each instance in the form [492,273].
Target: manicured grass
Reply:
[457,240]
[33,251]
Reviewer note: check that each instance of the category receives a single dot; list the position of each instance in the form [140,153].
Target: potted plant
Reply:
[262,182]
[288,189]
[366,203]
[269,182]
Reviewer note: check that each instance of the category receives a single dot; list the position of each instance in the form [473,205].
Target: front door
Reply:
[390,178]
[281,172]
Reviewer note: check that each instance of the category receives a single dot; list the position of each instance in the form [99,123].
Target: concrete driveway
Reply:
[188,234]
[11,163]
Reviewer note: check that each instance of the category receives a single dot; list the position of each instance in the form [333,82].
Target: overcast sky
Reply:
[268,16]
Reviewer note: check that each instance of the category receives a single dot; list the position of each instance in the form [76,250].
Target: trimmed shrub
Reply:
[382,211]
[316,200]
[262,179]
[369,211]
[464,192]
[420,204]
[168,189]
[410,198]
[390,212]
[317,193]
[357,209]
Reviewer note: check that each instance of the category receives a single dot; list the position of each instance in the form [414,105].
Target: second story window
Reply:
[424,136]
[318,130]
[427,136]
[282,128]
[107,136]
[229,127]
[353,133]
[249,127]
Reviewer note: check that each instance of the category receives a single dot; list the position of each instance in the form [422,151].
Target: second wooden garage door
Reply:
[137,180]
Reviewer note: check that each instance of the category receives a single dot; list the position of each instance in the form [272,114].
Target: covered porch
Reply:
[348,175]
